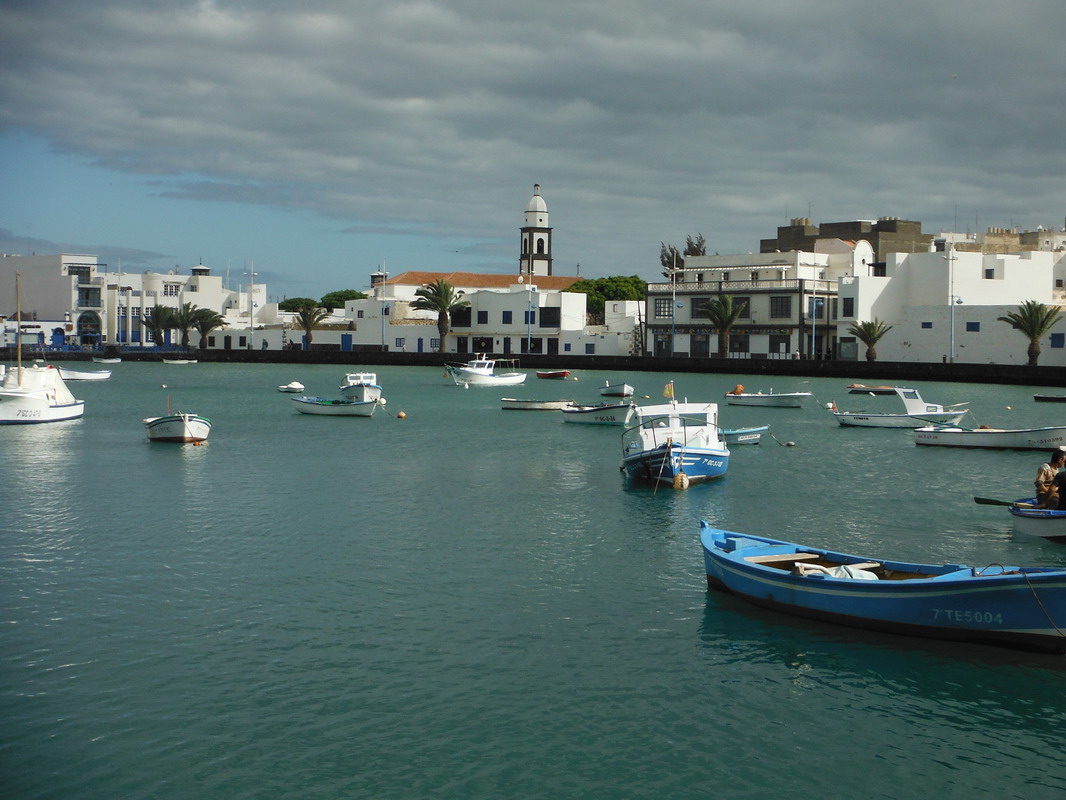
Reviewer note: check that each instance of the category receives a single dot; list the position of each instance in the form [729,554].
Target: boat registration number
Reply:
[28,413]
[959,615]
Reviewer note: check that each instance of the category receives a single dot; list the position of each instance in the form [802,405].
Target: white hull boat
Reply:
[616,389]
[30,395]
[738,397]
[744,435]
[1044,523]
[600,414]
[482,372]
[179,427]
[179,360]
[917,413]
[101,360]
[361,386]
[84,375]
[294,387]
[992,438]
[514,404]
[325,407]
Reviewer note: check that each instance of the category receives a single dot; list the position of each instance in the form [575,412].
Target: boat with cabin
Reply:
[362,386]
[481,371]
[917,412]
[1008,606]
[675,443]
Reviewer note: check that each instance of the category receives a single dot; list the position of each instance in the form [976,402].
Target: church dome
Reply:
[536,202]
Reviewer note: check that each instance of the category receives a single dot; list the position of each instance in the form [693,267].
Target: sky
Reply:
[317,142]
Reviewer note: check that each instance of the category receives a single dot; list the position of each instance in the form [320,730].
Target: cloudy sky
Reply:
[319,140]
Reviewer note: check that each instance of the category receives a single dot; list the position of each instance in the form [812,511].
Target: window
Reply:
[973,326]
[401,344]
[566,347]
[210,341]
[507,317]
[82,272]
[746,303]
[698,307]
[725,276]
[662,307]
[359,314]
[990,274]
[739,343]
[927,324]
[551,317]
[781,307]
[754,275]
[171,289]
[848,304]
[434,345]
[590,348]
[530,317]
[242,341]
[1058,339]
[482,317]
[461,317]
[136,311]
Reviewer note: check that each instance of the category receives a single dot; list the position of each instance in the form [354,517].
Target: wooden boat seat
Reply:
[777,558]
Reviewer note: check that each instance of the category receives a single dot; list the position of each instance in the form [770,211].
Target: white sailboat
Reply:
[34,394]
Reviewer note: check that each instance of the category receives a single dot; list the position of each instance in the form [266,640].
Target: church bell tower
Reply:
[536,236]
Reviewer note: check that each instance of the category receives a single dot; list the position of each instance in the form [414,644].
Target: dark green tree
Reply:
[440,297]
[157,320]
[671,258]
[183,319]
[308,316]
[599,291]
[204,321]
[1033,320]
[338,298]
[294,304]
[869,333]
[723,314]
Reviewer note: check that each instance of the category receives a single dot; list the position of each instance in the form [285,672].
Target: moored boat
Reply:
[84,374]
[324,406]
[362,386]
[916,413]
[515,404]
[675,443]
[552,374]
[733,436]
[481,371]
[1050,398]
[1018,607]
[606,413]
[997,438]
[738,397]
[103,360]
[291,386]
[1045,523]
[180,427]
[179,360]
[616,389]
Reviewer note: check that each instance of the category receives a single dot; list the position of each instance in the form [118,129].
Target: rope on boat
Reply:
[1043,608]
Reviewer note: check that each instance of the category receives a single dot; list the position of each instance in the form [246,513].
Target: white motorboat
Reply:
[917,412]
[482,372]
[616,389]
[362,386]
[30,395]
[324,406]
[600,414]
[514,404]
[772,399]
[84,374]
[995,438]
[292,386]
[179,427]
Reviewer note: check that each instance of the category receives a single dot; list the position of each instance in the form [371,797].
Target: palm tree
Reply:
[204,321]
[183,319]
[308,316]
[1034,320]
[869,333]
[723,314]
[441,297]
[158,320]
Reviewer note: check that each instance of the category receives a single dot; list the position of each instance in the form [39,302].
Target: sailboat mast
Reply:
[18,324]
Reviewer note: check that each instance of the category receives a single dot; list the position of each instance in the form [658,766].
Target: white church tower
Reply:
[536,258]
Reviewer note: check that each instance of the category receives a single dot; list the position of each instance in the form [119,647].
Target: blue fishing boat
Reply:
[744,435]
[675,443]
[1019,607]
[1046,523]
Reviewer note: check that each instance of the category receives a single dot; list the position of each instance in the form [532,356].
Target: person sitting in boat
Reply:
[1047,485]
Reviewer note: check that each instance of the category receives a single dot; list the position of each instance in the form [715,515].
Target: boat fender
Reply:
[681,481]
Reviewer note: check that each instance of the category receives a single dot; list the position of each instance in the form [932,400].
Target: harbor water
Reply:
[467,602]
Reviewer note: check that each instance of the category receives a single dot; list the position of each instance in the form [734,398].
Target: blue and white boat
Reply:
[1046,523]
[1019,607]
[361,386]
[675,443]
[733,436]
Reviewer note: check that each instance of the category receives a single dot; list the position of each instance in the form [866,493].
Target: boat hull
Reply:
[666,463]
[514,404]
[1044,523]
[1050,398]
[325,407]
[861,419]
[183,428]
[361,386]
[783,400]
[84,375]
[617,390]
[994,438]
[553,374]
[602,414]
[744,435]
[1004,606]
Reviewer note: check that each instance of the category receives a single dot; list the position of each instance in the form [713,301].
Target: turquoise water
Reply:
[474,603]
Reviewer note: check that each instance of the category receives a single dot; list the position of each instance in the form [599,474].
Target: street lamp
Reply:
[951,258]
[251,288]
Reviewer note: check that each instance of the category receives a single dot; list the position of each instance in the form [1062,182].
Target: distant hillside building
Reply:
[885,235]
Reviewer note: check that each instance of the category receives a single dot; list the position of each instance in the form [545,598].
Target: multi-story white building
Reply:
[74,300]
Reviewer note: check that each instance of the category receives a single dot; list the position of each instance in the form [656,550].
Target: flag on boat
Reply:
[668,391]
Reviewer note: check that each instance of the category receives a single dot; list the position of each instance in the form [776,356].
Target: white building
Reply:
[87,305]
